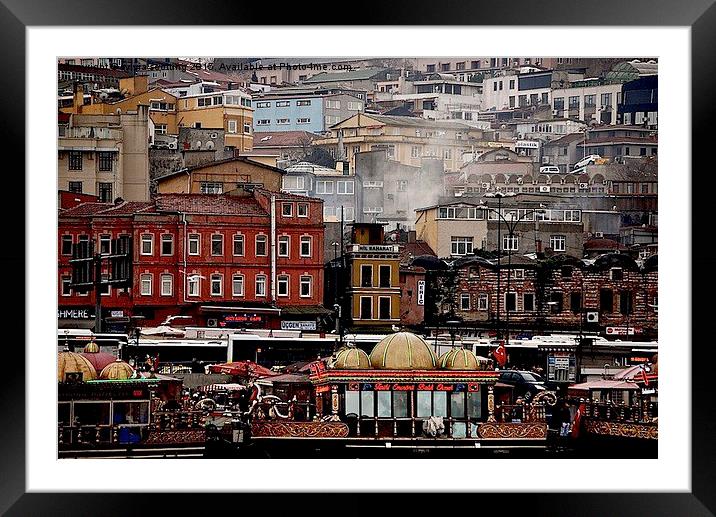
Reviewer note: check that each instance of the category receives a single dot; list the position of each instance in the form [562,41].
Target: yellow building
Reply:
[228,110]
[374,288]
[452,229]
[406,139]
[221,176]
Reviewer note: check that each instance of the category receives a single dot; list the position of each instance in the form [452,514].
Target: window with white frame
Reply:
[237,285]
[145,284]
[216,284]
[329,211]
[519,274]
[211,187]
[247,128]
[415,152]
[283,121]
[282,285]
[192,282]
[510,243]
[167,244]
[238,245]
[194,246]
[231,126]
[354,106]
[261,250]
[217,244]
[305,285]
[66,245]
[528,301]
[287,209]
[260,285]
[263,122]
[465,302]
[105,243]
[348,213]
[66,288]
[333,104]
[106,288]
[460,245]
[482,302]
[345,187]
[303,120]
[284,245]
[294,183]
[558,242]
[302,209]
[167,284]
[305,246]
[324,187]
[147,244]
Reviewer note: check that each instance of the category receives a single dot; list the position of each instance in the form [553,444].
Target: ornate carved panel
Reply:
[512,430]
[625,430]
[299,429]
[179,436]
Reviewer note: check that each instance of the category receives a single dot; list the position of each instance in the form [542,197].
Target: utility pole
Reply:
[97,293]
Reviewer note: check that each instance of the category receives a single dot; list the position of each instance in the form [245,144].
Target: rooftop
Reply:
[352,75]
[283,138]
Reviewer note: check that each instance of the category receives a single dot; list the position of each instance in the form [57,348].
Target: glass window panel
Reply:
[384,404]
[131,413]
[400,404]
[457,405]
[94,413]
[424,404]
[63,413]
[459,430]
[352,402]
[474,404]
[366,402]
[440,403]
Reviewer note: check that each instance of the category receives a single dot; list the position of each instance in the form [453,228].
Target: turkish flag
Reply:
[500,354]
[644,377]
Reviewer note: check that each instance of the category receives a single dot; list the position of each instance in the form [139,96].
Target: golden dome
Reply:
[461,359]
[403,351]
[70,362]
[91,348]
[117,370]
[351,358]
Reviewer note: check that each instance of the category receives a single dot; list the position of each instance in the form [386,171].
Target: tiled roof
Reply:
[566,139]
[602,244]
[215,204]
[395,120]
[92,209]
[414,249]
[303,167]
[353,75]
[282,138]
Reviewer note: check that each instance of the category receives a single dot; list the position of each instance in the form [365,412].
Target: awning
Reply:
[75,324]
[242,368]
[307,310]
[224,308]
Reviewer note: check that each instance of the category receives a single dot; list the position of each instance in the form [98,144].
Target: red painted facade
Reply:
[200,254]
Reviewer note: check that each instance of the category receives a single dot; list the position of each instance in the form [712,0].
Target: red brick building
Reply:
[563,293]
[248,258]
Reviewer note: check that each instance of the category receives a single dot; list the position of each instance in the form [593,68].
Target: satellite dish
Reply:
[103,95]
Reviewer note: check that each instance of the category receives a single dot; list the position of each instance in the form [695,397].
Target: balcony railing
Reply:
[102,133]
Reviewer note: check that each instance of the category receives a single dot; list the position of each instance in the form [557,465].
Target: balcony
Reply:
[97,133]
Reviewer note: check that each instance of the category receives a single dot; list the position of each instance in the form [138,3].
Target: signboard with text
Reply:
[421,292]
[298,325]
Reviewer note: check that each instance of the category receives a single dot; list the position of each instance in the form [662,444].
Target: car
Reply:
[587,160]
[526,384]
[549,169]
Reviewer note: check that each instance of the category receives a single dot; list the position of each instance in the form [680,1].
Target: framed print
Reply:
[338,260]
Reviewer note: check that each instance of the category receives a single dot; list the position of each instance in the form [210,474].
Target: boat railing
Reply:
[621,412]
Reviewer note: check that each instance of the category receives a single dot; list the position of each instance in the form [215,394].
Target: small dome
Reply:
[351,358]
[117,370]
[70,362]
[99,359]
[91,347]
[403,351]
[460,359]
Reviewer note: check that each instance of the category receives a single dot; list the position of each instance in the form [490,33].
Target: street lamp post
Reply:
[511,227]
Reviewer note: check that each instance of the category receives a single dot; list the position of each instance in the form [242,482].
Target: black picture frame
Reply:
[16,15]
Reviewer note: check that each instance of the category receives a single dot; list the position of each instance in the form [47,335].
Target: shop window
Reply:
[384,404]
[366,403]
[400,404]
[424,404]
[352,402]
[474,404]
[92,413]
[128,413]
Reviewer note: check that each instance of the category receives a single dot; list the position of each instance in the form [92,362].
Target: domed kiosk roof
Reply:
[91,348]
[70,362]
[351,358]
[461,359]
[99,359]
[118,370]
[403,351]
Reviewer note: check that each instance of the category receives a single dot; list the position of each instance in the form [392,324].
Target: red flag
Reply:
[644,377]
[156,362]
[500,354]
[577,420]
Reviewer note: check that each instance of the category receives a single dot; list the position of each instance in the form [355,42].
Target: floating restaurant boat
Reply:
[121,412]
[401,396]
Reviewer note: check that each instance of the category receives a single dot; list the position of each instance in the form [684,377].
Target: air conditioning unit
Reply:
[544,188]
[172,145]
[599,235]
[519,181]
[592,317]
[212,322]
[486,185]
[584,185]
[213,135]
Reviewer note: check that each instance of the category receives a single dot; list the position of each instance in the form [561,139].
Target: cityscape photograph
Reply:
[357,257]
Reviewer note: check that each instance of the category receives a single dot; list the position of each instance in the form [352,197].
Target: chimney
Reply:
[78,97]
[411,236]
